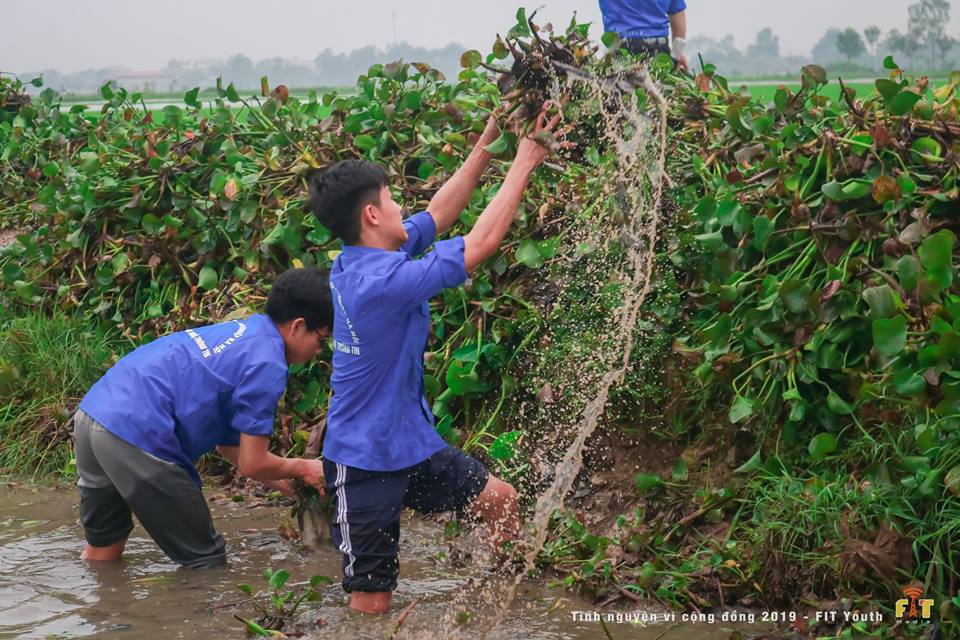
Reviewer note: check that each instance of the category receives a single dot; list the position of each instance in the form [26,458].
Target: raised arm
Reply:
[453,196]
[492,225]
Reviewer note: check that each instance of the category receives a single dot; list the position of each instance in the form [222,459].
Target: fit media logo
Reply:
[913,607]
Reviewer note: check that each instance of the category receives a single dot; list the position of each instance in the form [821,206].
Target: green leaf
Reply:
[838,405]
[364,142]
[503,448]
[208,278]
[319,235]
[548,248]
[680,471]
[890,335]
[916,464]
[412,100]
[462,379]
[881,301]
[750,465]
[318,580]
[903,102]
[796,295]
[500,49]
[888,63]
[926,146]
[26,290]
[908,273]
[151,224]
[232,94]
[499,145]
[818,73]
[190,98]
[822,445]
[935,254]
[279,578]
[254,628]
[856,189]
[467,353]
[106,92]
[888,88]
[741,410]
[246,588]
[522,28]
[834,191]
[104,275]
[781,98]
[529,255]
[470,59]
[645,482]
[762,228]
[907,382]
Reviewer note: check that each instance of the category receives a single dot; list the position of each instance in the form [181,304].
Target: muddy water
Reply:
[46,591]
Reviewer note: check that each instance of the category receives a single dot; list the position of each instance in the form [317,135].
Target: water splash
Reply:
[643,223]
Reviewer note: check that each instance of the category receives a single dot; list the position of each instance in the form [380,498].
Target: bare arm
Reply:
[253,460]
[493,224]
[678,24]
[453,196]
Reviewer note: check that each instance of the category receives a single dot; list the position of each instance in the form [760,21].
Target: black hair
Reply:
[302,293]
[338,194]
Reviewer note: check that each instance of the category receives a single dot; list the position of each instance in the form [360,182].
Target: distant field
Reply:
[765,92]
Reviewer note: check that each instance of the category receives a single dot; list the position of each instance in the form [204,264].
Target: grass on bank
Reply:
[47,363]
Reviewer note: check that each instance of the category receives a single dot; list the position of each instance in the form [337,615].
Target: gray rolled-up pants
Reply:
[117,479]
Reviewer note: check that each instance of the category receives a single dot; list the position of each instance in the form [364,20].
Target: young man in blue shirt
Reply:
[644,26]
[141,426]
[381,450]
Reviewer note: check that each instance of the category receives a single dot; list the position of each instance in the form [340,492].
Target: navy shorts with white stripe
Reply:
[367,507]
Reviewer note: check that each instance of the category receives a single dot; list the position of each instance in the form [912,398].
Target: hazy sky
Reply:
[76,34]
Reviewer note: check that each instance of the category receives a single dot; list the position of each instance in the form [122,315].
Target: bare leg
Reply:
[498,507]
[374,603]
[109,553]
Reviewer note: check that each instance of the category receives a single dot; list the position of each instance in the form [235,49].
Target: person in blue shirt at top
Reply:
[138,430]
[381,451]
[644,26]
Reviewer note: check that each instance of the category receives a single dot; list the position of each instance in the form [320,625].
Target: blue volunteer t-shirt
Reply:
[181,395]
[639,18]
[378,419]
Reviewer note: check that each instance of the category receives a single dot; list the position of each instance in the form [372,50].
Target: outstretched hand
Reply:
[543,140]
[312,474]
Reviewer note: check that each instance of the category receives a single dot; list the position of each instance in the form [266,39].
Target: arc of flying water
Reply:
[641,263]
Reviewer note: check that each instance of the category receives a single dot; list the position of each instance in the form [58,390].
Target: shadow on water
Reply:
[46,591]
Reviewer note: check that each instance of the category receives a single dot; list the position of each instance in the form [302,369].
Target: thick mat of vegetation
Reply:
[808,289]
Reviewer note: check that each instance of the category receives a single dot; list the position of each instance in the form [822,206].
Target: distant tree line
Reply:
[327,69]
[924,45]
